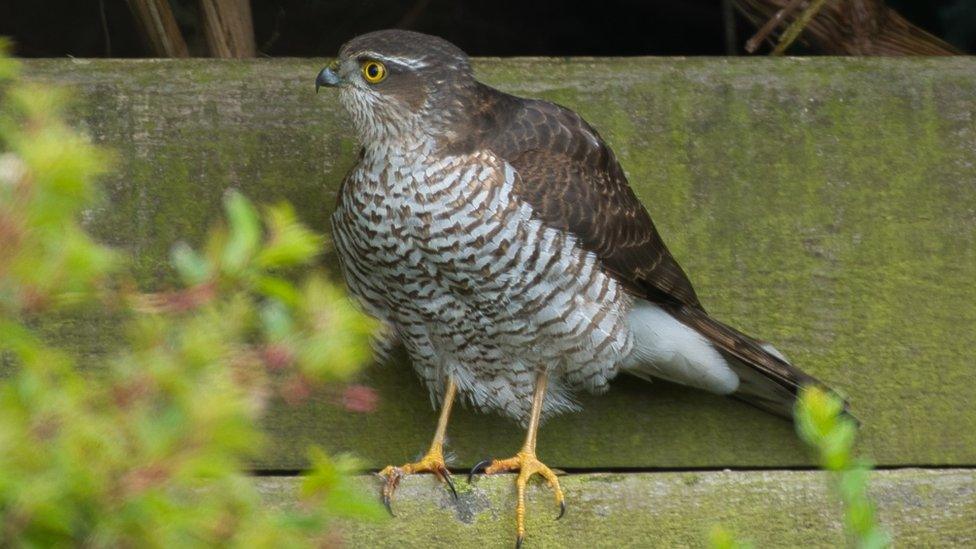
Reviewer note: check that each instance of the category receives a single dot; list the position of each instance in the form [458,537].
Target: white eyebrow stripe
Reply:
[405,61]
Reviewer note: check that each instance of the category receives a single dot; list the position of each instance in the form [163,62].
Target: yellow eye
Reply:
[374,72]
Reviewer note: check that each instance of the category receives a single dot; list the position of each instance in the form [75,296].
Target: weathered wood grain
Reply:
[827,205]
[920,508]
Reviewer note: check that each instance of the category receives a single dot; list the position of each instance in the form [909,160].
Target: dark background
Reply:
[315,28]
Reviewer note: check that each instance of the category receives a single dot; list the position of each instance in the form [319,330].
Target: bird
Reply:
[498,240]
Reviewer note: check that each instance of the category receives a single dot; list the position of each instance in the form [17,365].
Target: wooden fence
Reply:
[827,205]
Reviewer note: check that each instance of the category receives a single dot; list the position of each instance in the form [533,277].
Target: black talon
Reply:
[480,465]
[562,509]
[518,542]
[450,483]
[390,486]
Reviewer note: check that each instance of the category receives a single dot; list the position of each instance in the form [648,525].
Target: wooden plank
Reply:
[920,508]
[826,205]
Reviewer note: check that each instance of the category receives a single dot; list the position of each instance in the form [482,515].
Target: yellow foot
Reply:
[527,465]
[433,462]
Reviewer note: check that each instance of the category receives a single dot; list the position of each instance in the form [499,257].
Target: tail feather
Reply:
[767,379]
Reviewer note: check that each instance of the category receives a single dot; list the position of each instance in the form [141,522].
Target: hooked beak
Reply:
[328,77]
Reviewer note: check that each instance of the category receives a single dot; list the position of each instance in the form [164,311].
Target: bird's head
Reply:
[400,86]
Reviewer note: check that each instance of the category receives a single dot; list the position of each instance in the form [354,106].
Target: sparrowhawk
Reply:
[498,240]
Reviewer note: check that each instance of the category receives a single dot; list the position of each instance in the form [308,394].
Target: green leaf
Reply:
[821,424]
[290,243]
[277,323]
[721,538]
[245,233]
[190,265]
[877,538]
[327,484]
[279,289]
[8,67]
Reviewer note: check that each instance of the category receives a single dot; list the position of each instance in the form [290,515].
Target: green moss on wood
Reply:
[772,509]
[826,205]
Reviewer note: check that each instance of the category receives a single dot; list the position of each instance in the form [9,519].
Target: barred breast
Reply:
[442,250]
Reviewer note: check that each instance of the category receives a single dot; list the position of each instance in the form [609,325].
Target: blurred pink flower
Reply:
[359,398]
[295,389]
[277,356]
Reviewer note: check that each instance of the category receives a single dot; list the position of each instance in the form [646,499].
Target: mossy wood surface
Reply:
[826,205]
[920,508]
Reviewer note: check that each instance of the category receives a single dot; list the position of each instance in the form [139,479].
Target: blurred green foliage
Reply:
[153,451]
[721,538]
[823,424]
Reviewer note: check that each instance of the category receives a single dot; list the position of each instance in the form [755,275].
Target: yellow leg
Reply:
[433,460]
[527,464]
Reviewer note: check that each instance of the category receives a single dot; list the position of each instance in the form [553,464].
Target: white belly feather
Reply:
[666,348]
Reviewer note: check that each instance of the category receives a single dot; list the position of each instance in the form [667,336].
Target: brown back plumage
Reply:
[574,183]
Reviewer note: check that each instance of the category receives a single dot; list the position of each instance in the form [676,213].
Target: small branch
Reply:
[275,33]
[158,28]
[728,21]
[105,34]
[842,27]
[753,43]
[793,31]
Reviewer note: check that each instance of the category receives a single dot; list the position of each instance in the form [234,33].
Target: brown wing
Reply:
[574,183]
